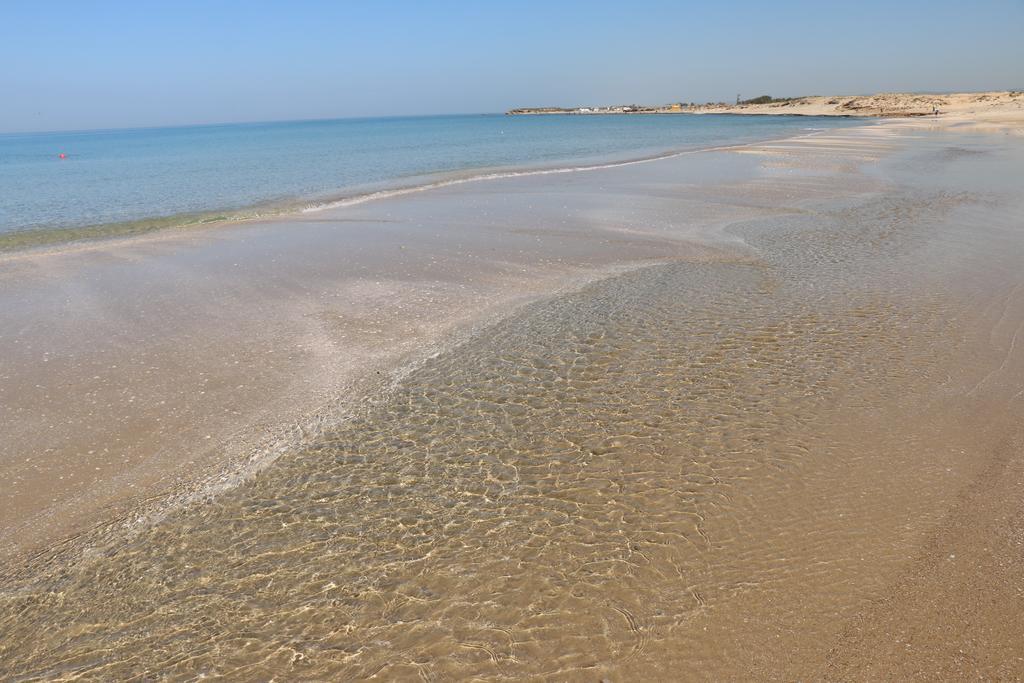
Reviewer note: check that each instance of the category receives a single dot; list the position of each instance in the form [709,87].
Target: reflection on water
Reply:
[584,490]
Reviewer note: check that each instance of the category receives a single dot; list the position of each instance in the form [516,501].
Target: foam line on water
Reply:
[500,175]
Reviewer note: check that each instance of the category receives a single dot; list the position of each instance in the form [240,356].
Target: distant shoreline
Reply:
[882,105]
[657,112]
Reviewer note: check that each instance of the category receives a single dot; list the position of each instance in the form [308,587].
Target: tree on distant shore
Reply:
[767,99]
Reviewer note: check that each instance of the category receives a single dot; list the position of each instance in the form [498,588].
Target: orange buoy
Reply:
[62,155]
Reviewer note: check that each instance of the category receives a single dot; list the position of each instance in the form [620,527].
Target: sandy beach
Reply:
[747,413]
[1001,109]
[999,112]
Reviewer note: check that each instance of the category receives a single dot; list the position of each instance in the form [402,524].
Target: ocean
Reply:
[78,184]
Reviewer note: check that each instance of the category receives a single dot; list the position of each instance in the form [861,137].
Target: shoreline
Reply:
[880,105]
[256,438]
[250,452]
[996,111]
[865,276]
[34,240]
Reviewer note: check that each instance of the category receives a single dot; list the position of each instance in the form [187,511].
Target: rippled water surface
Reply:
[687,469]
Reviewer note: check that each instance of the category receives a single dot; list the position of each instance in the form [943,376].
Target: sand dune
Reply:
[996,111]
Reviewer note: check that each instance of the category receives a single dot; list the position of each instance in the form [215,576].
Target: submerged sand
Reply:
[736,415]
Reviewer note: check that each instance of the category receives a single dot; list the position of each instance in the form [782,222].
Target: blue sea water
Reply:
[112,176]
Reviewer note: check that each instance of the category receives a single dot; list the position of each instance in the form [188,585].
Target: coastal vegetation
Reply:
[768,99]
[888,105]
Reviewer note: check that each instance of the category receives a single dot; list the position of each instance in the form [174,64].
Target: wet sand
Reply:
[731,415]
[130,364]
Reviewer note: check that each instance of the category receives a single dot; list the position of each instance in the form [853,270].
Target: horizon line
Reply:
[316,119]
[258,122]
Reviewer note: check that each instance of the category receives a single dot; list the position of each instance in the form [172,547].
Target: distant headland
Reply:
[880,105]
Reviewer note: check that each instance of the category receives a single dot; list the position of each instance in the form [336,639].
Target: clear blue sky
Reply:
[95,64]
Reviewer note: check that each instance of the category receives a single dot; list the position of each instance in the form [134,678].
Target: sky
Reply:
[108,64]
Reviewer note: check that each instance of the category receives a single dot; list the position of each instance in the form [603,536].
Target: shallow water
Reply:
[129,181]
[693,470]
